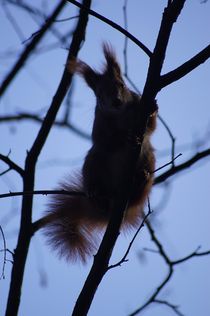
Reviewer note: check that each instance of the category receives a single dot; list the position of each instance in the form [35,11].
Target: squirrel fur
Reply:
[74,223]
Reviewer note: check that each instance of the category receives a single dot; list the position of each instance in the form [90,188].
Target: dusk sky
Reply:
[181,216]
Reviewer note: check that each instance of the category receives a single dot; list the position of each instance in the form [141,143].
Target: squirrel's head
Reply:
[108,85]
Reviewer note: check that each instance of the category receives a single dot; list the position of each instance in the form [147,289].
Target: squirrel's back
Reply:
[75,222]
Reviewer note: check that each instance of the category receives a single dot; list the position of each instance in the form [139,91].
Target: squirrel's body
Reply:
[74,222]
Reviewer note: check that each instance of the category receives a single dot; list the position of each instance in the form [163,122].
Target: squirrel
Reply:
[74,223]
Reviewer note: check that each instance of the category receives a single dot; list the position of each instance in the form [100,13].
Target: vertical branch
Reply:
[170,16]
[26,231]
[173,139]
[125,49]
[126,39]
[5,253]
[101,260]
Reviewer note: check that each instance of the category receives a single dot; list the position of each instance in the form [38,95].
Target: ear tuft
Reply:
[91,77]
[109,52]
[112,66]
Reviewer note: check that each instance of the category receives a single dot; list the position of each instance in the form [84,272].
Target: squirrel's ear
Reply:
[112,66]
[91,77]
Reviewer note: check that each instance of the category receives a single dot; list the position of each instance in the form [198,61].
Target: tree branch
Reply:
[5,254]
[115,26]
[41,192]
[173,139]
[36,118]
[170,16]
[170,264]
[185,68]
[26,227]
[30,48]
[120,203]
[168,163]
[172,306]
[174,170]
[124,258]
[12,165]
[192,255]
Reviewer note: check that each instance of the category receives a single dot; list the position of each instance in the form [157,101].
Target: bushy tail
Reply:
[73,223]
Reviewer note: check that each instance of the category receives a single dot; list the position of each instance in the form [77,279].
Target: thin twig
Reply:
[11,164]
[170,263]
[41,192]
[5,254]
[154,295]
[124,258]
[185,68]
[172,306]
[36,118]
[30,48]
[25,233]
[157,243]
[192,255]
[168,163]
[173,139]
[115,26]
[13,21]
[197,157]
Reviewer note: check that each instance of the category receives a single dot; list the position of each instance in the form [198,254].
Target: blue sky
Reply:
[181,224]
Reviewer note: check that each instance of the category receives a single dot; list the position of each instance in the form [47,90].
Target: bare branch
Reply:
[124,258]
[192,255]
[115,26]
[30,48]
[173,139]
[13,21]
[170,16]
[125,49]
[168,163]
[41,192]
[146,107]
[12,165]
[186,68]
[170,264]
[181,167]
[5,254]
[157,243]
[154,295]
[172,306]
[26,226]
[36,118]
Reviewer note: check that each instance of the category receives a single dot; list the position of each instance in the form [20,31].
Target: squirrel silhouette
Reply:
[73,223]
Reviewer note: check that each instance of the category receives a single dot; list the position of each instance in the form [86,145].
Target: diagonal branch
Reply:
[192,255]
[185,68]
[155,293]
[170,265]
[30,48]
[115,26]
[171,306]
[119,205]
[12,165]
[26,227]
[124,258]
[181,167]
